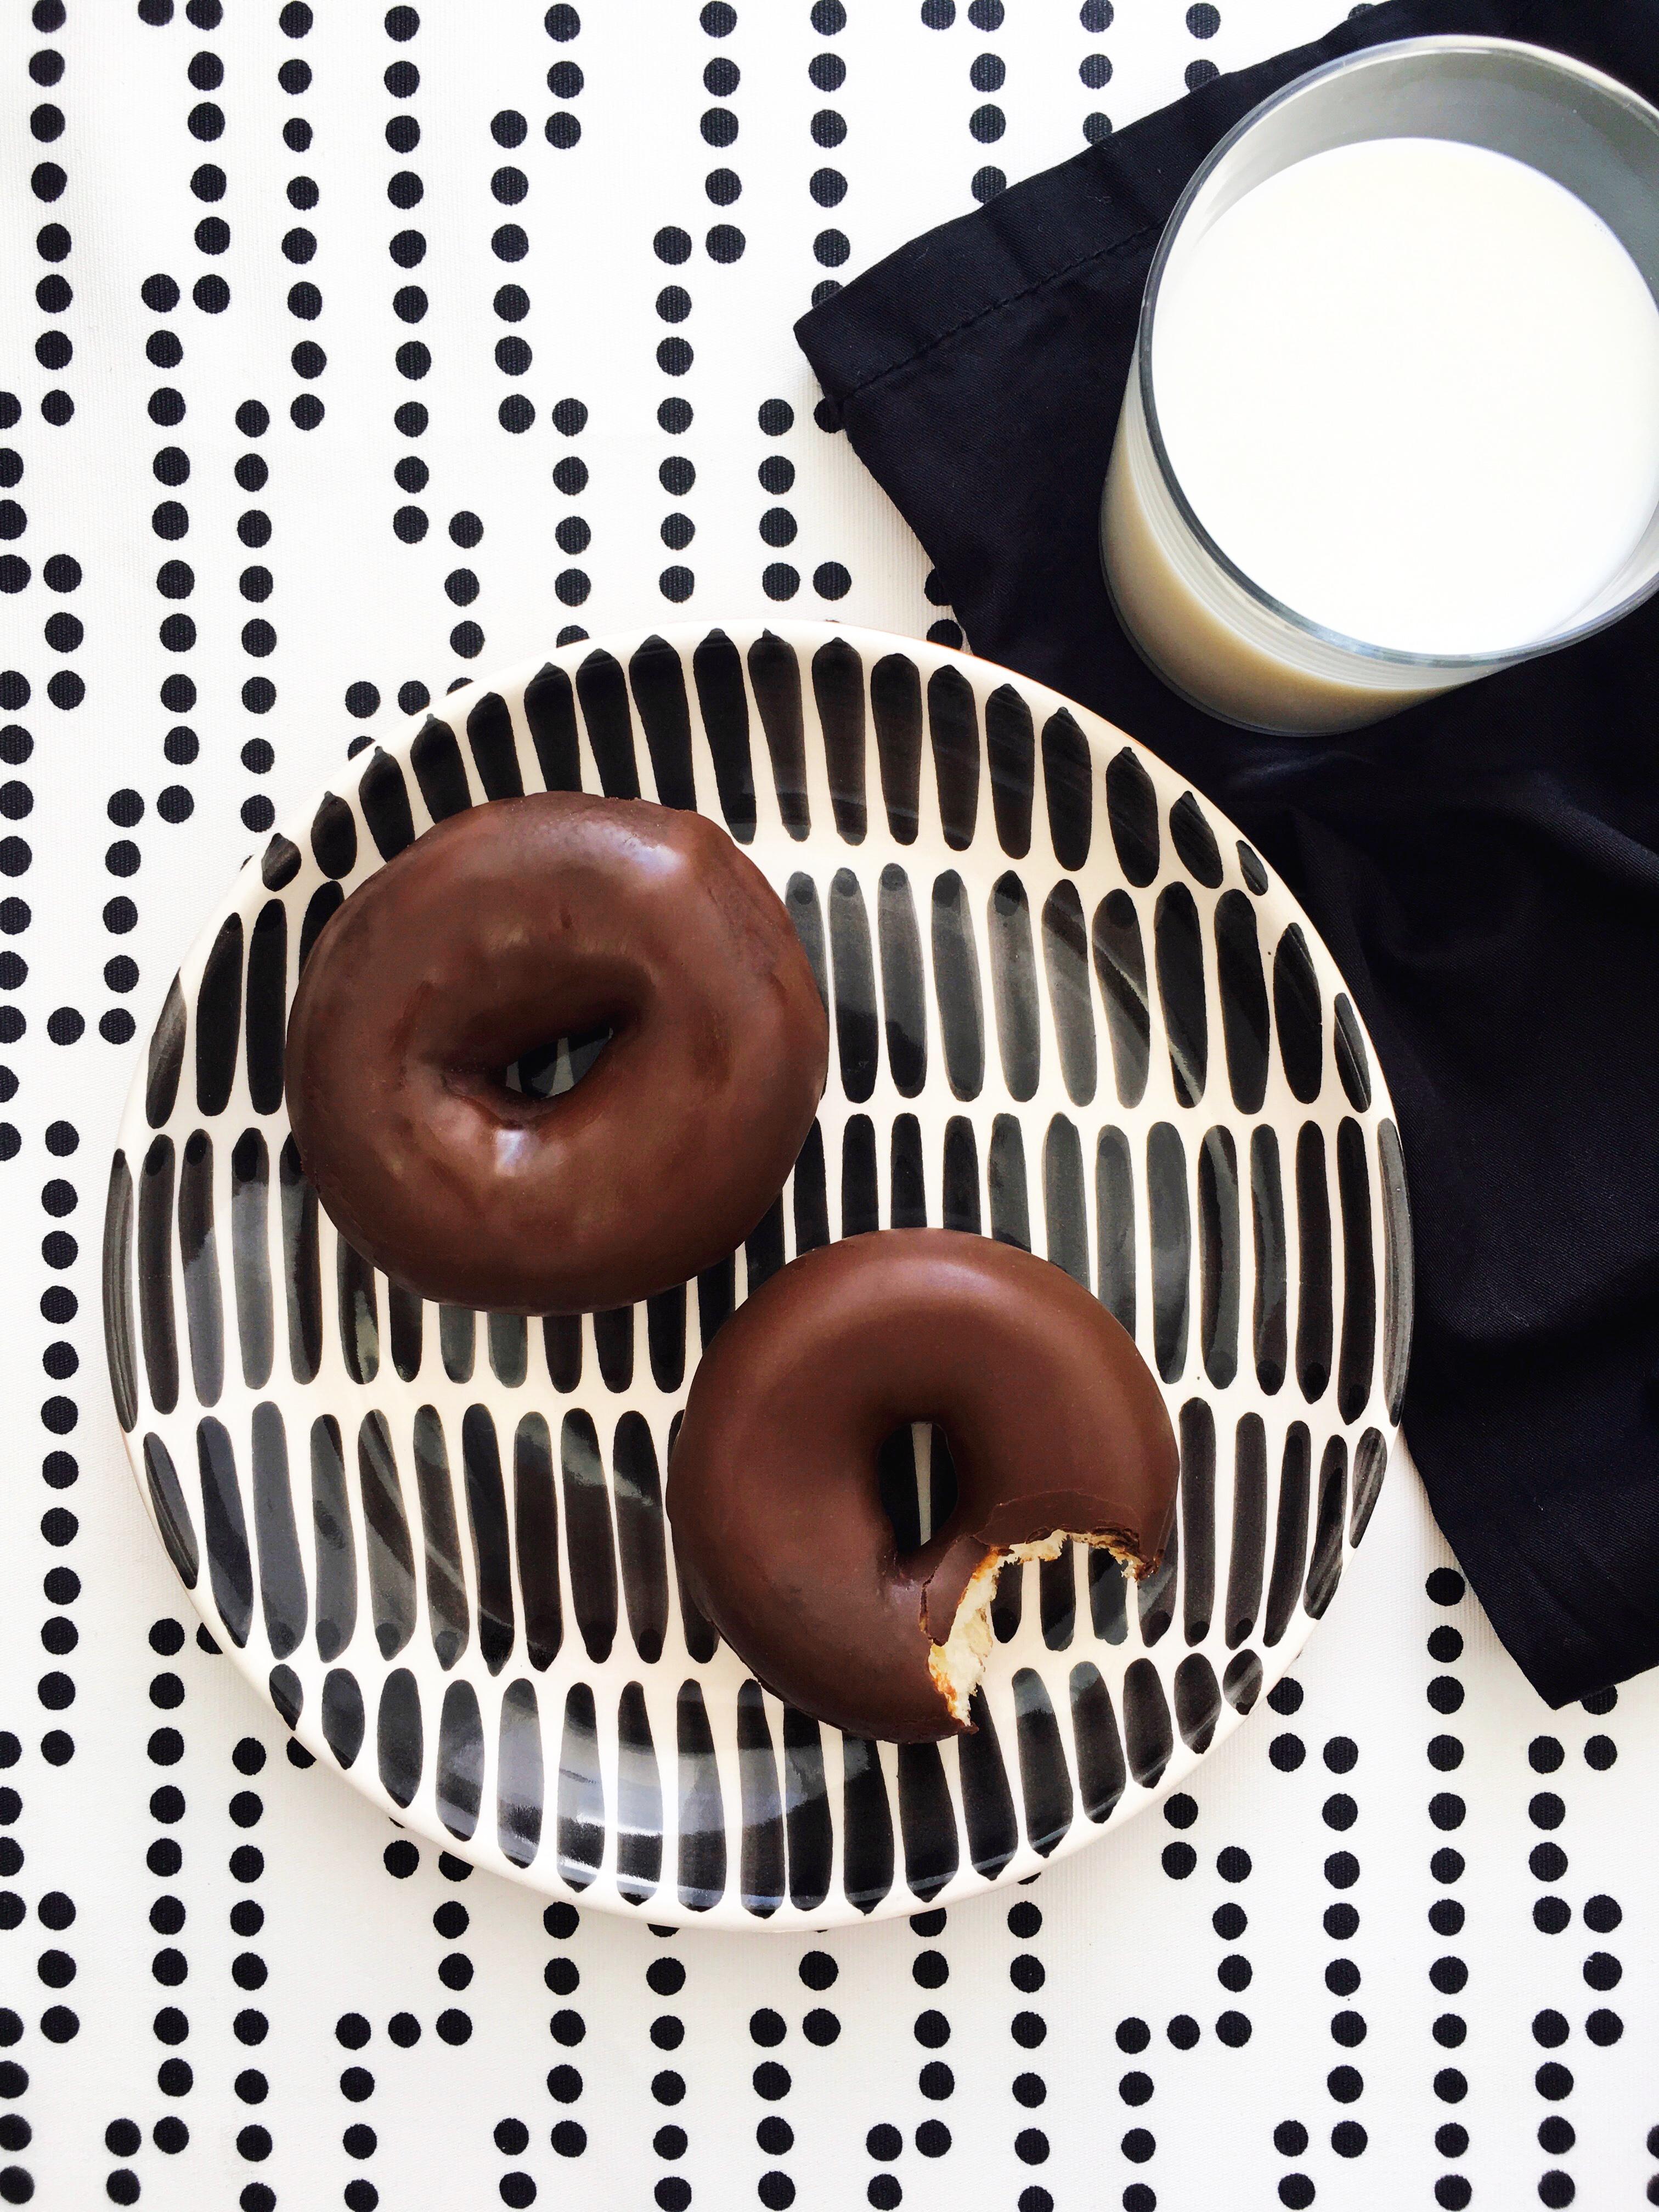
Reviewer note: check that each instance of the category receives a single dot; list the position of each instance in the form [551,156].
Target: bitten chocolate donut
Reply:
[1056,1429]
[495,933]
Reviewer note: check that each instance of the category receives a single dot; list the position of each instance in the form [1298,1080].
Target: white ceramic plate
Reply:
[1070,1009]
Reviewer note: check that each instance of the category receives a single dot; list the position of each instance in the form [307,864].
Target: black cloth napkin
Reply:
[1485,868]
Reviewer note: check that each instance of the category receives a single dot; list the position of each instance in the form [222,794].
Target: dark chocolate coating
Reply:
[495,933]
[1054,1419]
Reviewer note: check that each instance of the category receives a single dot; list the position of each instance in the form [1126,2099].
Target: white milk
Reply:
[1412,389]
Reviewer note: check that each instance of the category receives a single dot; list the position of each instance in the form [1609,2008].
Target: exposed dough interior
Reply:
[957,1665]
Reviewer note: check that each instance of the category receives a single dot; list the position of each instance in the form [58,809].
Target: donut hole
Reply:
[559,1066]
[917,1479]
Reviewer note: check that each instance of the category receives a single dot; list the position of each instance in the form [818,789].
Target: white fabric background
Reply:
[92,1941]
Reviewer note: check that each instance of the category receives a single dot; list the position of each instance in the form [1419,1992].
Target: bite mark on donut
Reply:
[958,1666]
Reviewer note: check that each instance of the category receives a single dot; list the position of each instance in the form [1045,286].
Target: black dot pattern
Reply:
[418,365]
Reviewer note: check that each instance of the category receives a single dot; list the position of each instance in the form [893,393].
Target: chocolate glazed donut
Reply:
[495,933]
[1056,1425]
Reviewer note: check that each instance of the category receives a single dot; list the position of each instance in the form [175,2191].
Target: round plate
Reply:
[1072,1009]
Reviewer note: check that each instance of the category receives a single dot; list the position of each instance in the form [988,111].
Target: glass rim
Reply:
[1449,43]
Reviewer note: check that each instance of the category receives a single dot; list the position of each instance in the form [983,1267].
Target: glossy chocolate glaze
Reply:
[1054,1423]
[498,931]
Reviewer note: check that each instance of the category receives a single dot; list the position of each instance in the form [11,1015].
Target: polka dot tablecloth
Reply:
[349,353]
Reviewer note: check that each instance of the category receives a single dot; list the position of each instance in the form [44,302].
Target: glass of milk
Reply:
[1393,418]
